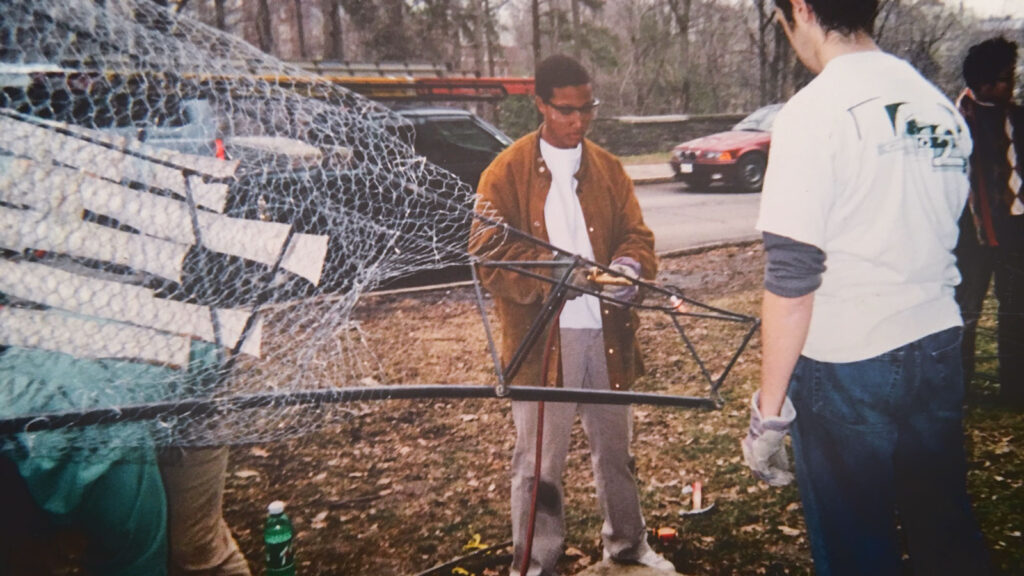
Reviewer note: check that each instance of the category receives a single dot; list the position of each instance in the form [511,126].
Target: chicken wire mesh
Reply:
[186,219]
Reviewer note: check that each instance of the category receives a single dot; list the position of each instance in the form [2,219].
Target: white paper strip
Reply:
[53,188]
[47,146]
[305,256]
[121,302]
[28,229]
[210,166]
[214,195]
[85,338]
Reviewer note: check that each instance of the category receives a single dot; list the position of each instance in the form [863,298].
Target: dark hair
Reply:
[558,71]
[843,16]
[987,60]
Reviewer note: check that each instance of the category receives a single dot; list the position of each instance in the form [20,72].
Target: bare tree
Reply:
[647,56]
[763,21]
[299,29]
[264,26]
[479,33]
[535,19]
[681,14]
[334,47]
[220,17]
[928,34]
[577,32]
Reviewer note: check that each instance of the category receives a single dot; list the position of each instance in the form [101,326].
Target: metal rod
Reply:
[732,361]
[212,406]
[551,306]
[501,389]
[522,267]
[693,352]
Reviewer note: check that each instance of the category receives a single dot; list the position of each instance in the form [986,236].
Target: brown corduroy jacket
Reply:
[514,189]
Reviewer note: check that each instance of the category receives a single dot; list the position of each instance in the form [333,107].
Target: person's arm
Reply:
[784,325]
[497,199]
[793,272]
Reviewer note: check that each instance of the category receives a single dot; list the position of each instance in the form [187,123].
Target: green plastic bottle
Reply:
[277,541]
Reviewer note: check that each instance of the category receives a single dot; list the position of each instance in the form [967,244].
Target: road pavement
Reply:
[683,219]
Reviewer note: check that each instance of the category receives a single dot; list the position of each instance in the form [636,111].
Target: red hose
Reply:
[528,549]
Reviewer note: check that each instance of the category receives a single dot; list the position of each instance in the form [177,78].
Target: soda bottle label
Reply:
[280,555]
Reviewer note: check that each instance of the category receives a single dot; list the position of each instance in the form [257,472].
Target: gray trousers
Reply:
[608,429]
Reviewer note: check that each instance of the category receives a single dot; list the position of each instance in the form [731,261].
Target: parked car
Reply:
[737,157]
[456,140]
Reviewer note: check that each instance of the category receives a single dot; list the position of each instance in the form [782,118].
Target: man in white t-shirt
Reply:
[864,186]
[564,190]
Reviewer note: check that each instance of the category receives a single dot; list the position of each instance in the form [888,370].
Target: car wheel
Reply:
[750,170]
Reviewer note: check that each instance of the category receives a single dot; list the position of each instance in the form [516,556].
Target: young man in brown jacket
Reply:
[559,187]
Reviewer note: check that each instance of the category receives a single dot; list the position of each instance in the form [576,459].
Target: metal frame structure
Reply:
[553,304]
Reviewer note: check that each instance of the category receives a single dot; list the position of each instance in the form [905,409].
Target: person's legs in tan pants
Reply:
[200,540]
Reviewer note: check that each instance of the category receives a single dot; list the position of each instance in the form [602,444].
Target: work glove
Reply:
[578,278]
[626,267]
[764,449]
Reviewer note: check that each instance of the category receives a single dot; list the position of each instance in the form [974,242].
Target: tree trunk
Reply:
[334,47]
[535,13]
[762,53]
[780,65]
[300,29]
[577,33]
[444,22]
[682,18]
[553,41]
[220,17]
[478,37]
[489,37]
[263,26]
[392,42]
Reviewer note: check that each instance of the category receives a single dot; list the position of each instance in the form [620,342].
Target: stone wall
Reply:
[627,136]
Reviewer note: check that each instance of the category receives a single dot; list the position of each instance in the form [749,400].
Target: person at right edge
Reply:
[992,228]
[863,190]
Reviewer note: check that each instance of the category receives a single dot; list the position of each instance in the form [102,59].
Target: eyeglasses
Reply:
[585,110]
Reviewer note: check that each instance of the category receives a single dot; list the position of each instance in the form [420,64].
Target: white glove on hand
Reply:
[629,268]
[764,449]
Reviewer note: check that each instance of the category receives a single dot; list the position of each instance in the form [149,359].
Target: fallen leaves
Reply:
[788,531]
[407,483]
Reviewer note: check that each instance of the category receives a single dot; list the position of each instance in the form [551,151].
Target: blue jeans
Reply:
[878,444]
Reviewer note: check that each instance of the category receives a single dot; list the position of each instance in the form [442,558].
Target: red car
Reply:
[737,157]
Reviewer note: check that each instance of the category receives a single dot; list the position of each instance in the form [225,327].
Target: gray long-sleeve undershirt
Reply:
[791,268]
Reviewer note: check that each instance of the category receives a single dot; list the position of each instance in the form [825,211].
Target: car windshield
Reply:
[760,120]
[462,132]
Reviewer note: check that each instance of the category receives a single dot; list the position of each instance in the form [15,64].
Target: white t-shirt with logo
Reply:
[868,163]
[567,229]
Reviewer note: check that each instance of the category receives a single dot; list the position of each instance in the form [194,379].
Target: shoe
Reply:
[649,558]
[657,561]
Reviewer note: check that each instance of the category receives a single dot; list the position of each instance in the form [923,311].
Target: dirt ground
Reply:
[401,486]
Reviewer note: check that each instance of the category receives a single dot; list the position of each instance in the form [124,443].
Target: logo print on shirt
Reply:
[928,130]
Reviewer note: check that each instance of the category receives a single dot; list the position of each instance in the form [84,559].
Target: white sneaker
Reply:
[649,558]
[656,561]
